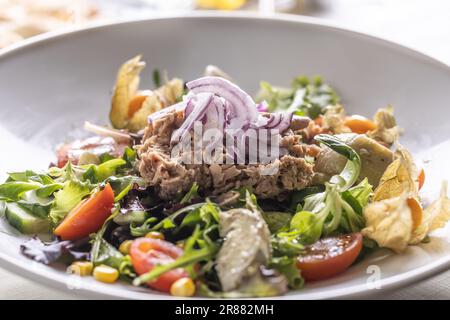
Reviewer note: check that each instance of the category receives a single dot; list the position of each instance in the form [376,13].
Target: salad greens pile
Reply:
[149,241]
[37,202]
[306,97]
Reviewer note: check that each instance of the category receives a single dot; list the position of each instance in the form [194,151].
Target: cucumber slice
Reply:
[24,221]
[137,217]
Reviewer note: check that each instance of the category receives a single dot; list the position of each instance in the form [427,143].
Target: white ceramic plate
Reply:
[50,85]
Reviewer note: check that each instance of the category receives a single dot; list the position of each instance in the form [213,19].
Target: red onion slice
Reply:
[262,106]
[227,90]
[202,102]
[175,107]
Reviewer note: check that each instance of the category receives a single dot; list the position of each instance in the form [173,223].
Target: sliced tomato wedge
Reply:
[329,256]
[88,216]
[146,253]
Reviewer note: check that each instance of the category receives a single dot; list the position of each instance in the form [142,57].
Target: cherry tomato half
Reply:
[146,253]
[88,216]
[329,256]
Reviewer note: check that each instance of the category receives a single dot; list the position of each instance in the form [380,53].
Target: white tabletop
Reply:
[421,24]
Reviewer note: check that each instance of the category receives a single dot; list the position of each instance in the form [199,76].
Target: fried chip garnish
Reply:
[127,84]
[400,177]
[158,99]
[435,216]
[389,222]
[386,130]
[334,119]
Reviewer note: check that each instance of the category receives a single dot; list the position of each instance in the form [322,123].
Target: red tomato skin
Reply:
[319,269]
[95,145]
[146,253]
[88,216]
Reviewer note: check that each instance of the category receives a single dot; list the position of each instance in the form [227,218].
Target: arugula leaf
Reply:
[198,247]
[191,194]
[169,222]
[144,228]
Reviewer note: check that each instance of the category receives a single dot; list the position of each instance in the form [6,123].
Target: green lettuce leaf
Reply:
[306,97]
[276,220]
[287,266]
[66,199]
[15,189]
[98,173]
[351,171]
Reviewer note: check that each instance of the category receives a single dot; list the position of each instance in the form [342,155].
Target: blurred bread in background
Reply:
[20,19]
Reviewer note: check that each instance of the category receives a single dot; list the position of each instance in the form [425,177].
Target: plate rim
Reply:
[240,15]
[18,267]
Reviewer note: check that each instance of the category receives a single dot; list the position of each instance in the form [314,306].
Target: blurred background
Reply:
[421,24]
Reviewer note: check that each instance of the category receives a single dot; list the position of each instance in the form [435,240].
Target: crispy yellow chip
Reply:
[389,222]
[386,130]
[127,84]
[435,216]
[156,100]
[400,177]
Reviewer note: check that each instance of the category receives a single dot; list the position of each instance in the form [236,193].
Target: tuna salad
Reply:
[197,188]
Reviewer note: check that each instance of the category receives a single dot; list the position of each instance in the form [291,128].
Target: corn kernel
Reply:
[81,268]
[124,247]
[183,287]
[155,235]
[180,245]
[106,274]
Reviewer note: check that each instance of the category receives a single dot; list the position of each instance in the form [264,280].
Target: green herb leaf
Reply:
[351,171]
[15,189]
[156,78]
[287,266]
[191,194]
[66,199]
[276,220]
[98,173]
